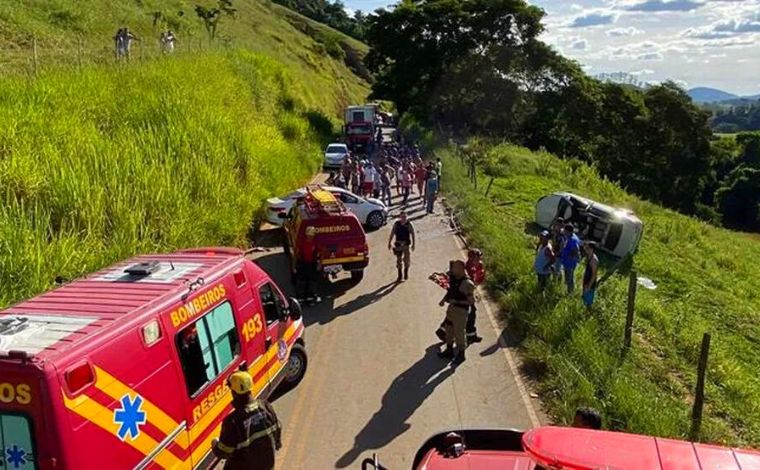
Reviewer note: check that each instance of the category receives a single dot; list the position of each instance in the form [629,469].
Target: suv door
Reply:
[274,309]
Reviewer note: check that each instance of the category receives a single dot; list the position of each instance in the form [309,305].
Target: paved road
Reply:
[374,382]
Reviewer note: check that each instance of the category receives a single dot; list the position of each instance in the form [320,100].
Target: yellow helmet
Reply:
[240,382]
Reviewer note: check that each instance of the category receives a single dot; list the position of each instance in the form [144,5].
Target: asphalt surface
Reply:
[374,382]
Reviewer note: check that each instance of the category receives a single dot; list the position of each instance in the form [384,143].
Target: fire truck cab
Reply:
[127,367]
[321,232]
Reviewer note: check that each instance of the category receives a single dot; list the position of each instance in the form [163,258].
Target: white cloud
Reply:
[638,73]
[594,18]
[654,56]
[579,45]
[629,31]
[652,6]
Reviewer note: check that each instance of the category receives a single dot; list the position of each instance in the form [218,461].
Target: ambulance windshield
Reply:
[16,445]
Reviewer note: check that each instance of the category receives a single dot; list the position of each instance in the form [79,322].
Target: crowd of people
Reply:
[559,251]
[393,166]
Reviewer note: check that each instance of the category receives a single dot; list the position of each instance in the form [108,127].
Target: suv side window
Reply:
[272,303]
[207,346]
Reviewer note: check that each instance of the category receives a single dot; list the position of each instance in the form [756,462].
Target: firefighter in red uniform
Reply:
[251,433]
[477,272]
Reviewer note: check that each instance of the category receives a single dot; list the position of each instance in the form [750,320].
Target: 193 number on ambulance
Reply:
[252,327]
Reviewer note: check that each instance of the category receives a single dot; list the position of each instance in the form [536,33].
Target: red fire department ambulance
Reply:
[127,368]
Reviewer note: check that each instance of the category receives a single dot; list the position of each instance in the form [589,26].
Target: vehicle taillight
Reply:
[79,377]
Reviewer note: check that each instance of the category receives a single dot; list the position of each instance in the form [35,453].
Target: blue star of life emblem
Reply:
[129,417]
[16,456]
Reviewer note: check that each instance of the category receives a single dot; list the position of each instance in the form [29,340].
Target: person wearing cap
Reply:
[544,261]
[590,274]
[460,296]
[250,435]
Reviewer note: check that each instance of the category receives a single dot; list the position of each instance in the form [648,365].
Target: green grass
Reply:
[101,161]
[707,282]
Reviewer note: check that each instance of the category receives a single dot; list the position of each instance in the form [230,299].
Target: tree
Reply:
[457,61]
[212,16]
[739,198]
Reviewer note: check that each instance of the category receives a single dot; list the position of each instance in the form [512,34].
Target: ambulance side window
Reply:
[271,302]
[207,346]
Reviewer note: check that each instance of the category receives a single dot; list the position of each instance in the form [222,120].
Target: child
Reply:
[477,272]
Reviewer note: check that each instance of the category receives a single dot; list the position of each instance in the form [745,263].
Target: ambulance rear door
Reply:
[21,421]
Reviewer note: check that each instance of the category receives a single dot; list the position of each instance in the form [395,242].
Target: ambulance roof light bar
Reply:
[318,199]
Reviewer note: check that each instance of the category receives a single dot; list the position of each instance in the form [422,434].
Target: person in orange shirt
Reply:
[477,272]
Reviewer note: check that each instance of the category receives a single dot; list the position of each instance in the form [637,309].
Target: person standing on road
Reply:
[431,191]
[368,179]
[460,296]
[250,435]
[406,177]
[570,255]
[403,233]
[590,274]
[544,261]
[420,174]
[385,185]
[439,169]
[477,272]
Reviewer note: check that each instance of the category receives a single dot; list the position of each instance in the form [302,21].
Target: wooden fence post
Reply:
[34,54]
[631,311]
[490,183]
[699,397]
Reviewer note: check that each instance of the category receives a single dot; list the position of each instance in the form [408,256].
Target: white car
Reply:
[616,231]
[335,155]
[371,212]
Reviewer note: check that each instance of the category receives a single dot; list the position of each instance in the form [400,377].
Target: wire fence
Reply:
[34,58]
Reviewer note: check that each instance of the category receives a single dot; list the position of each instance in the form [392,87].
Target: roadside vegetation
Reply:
[493,76]
[100,161]
[706,282]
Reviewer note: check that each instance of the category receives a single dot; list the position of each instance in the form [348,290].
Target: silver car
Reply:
[335,155]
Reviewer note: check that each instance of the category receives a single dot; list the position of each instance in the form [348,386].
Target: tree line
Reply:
[737,118]
[333,14]
[479,67]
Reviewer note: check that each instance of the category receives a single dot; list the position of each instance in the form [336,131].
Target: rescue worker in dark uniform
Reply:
[403,232]
[251,433]
[460,296]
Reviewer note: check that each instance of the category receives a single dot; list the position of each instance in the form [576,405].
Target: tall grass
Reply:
[706,279]
[108,162]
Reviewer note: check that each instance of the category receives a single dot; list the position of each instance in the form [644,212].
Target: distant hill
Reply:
[710,95]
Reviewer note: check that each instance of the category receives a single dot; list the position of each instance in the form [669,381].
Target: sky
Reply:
[713,43]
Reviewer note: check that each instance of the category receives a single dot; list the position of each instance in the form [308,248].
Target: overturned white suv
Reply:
[616,231]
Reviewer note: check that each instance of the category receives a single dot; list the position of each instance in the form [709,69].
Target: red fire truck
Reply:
[127,368]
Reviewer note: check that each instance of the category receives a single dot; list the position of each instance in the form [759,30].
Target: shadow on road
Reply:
[407,393]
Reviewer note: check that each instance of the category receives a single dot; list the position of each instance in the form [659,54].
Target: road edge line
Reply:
[511,362]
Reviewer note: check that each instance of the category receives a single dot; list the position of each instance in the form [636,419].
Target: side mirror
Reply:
[282,215]
[294,310]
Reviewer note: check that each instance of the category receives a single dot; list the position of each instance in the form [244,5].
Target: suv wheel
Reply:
[375,220]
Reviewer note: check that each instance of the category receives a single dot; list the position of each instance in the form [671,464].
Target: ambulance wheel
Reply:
[357,275]
[295,368]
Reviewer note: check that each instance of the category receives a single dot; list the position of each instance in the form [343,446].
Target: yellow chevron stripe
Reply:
[222,404]
[102,417]
[115,389]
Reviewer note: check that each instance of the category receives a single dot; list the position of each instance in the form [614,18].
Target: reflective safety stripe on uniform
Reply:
[257,435]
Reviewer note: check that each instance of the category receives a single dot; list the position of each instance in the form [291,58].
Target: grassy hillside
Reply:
[707,282]
[70,33]
[101,161]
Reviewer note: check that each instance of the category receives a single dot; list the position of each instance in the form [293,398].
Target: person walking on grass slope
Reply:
[544,261]
[556,241]
[570,255]
[460,296]
[403,233]
[590,274]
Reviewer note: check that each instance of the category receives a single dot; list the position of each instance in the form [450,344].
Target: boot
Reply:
[459,359]
[447,353]
[399,278]
[406,273]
